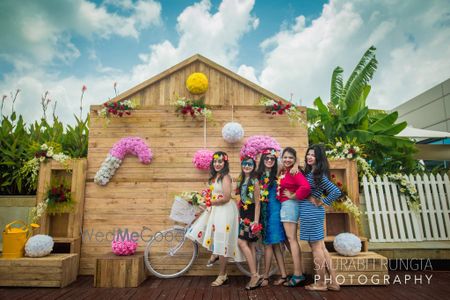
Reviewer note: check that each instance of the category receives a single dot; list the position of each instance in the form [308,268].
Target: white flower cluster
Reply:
[348,206]
[107,170]
[407,188]
[37,211]
[343,151]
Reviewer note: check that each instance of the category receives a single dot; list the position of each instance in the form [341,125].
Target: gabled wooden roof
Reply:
[190,60]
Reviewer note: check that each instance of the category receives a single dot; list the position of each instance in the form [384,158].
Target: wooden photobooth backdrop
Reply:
[139,197]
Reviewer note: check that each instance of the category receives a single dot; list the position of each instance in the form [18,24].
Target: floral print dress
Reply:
[218,227]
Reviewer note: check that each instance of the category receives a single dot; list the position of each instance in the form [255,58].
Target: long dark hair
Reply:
[222,173]
[322,167]
[242,176]
[262,168]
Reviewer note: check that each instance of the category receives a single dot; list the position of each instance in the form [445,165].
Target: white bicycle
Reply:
[170,254]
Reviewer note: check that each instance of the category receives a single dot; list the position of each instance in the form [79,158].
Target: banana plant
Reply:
[347,115]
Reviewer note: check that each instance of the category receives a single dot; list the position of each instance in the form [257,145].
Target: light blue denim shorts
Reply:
[290,211]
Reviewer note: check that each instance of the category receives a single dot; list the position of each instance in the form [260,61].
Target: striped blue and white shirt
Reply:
[332,191]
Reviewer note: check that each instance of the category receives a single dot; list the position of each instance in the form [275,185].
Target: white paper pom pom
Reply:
[39,245]
[232,132]
[347,244]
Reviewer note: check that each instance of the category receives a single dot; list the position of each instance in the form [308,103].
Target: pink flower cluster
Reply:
[202,159]
[255,144]
[123,246]
[134,146]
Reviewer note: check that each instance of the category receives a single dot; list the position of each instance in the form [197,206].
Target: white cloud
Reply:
[412,40]
[41,31]
[215,35]
[248,72]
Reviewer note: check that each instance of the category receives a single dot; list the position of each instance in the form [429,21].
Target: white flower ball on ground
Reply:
[232,132]
[39,245]
[347,244]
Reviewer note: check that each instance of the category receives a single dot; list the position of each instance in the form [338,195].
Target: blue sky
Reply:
[288,47]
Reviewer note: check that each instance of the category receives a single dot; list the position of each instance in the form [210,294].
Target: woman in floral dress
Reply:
[217,228]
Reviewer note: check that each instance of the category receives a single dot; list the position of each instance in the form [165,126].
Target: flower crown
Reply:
[218,156]
[246,157]
[270,151]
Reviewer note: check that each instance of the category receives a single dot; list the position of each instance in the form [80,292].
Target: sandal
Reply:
[264,282]
[334,287]
[220,280]
[295,281]
[281,280]
[212,260]
[316,287]
[256,285]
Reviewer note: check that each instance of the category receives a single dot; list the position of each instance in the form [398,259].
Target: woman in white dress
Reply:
[218,227]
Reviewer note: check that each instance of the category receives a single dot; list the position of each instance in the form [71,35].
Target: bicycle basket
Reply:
[182,211]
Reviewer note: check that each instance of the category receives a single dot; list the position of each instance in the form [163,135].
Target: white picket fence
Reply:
[391,220]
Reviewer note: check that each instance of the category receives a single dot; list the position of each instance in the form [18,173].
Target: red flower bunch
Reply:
[256,228]
[246,221]
[206,194]
[277,107]
[58,194]
[116,109]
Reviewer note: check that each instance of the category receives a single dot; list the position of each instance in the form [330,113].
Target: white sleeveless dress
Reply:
[217,228]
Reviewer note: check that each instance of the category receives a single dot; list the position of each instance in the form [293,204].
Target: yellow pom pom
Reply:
[197,83]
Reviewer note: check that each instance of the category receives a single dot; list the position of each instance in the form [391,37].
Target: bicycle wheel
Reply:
[169,254]
[243,266]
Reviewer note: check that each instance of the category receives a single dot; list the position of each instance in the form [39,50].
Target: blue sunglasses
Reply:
[247,164]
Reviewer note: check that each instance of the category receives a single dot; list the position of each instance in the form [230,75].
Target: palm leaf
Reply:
[337,85]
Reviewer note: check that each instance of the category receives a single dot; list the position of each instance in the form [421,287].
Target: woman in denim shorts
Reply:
[291,190]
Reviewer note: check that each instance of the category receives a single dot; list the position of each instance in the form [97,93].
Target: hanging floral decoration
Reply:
[42,153]
[59,198]
[197,83]
[257,143]
[349,149]
[232,132]
[407,188]
[130,145]
[194,108]
[273,107]
[344,203]
[202,159]
[116,109]
[123,245]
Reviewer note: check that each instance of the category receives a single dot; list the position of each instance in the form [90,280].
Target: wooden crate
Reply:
[54,270]
[120,271]
[346,172]
[68,224]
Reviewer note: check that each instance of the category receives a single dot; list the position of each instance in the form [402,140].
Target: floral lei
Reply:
[264,186]
[281,177]
[250,193]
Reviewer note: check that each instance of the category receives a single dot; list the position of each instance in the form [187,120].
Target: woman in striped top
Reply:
[312,215]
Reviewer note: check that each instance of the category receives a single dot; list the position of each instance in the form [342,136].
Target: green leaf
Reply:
[384,123]
[336,85]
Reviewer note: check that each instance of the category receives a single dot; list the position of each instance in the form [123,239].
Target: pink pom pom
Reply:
[255,144]
[202,159]
[123,246]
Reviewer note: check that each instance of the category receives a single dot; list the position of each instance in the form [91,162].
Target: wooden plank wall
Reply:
[223,90]
[140,196]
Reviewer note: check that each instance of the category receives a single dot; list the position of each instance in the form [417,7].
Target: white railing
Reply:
[391,220]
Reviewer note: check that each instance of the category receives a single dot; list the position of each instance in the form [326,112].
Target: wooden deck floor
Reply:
[198,288]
